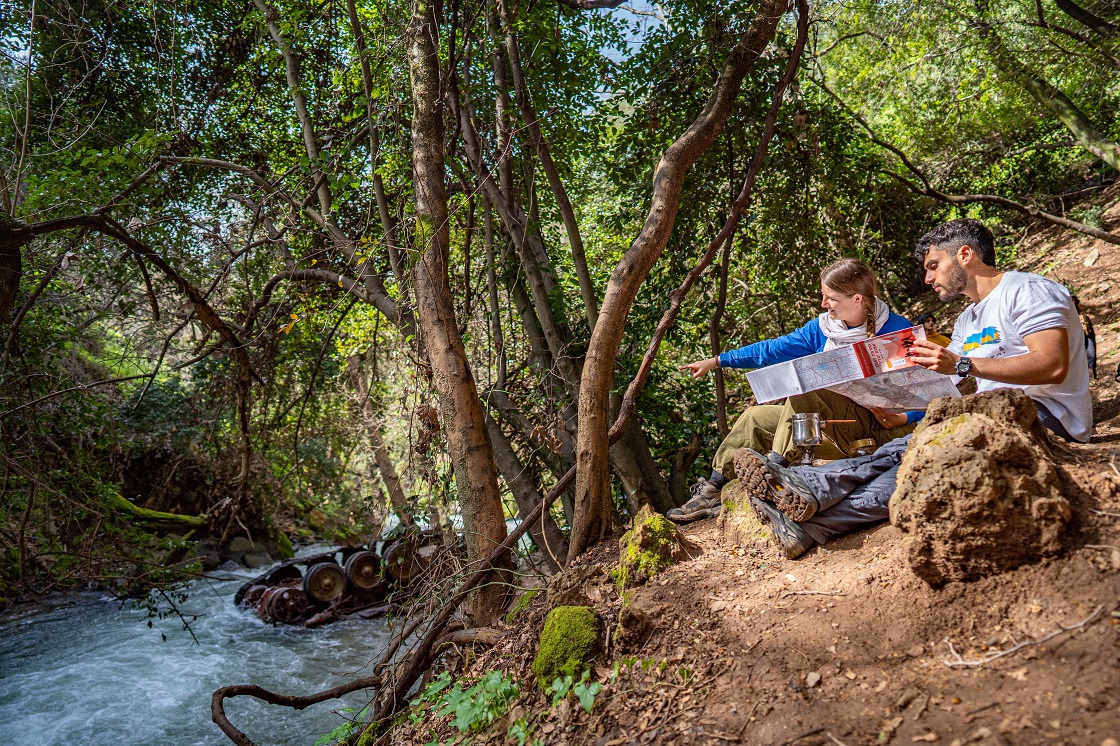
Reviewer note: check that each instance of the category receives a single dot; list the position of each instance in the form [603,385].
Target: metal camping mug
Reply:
[807,429]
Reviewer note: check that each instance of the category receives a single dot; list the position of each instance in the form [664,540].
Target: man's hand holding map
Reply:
[874,372]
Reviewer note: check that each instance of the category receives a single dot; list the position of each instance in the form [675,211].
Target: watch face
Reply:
[964,366]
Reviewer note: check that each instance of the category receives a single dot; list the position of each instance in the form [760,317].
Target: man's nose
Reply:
[929,277]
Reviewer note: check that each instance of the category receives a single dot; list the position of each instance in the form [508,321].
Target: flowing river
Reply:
[89,671]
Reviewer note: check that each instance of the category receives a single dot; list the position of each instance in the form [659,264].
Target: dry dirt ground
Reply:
[847,645]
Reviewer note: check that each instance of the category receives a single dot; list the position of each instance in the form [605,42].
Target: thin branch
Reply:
[148,286]
[591,4]
[80,387]
[13,331]
[958,662]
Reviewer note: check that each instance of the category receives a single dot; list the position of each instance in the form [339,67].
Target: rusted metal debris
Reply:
[344,582]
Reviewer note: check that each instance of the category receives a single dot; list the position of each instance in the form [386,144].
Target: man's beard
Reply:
[955,285]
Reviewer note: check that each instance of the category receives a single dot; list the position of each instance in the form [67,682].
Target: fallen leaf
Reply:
[882,685]
[1020,675]
[890,726]
[928,737]
[849,675]
[790,577]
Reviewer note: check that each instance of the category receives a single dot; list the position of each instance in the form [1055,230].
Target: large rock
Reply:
[977,493]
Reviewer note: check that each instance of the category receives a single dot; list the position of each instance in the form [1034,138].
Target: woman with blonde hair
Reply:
[852,311]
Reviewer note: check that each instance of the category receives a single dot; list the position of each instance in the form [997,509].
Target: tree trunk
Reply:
[11,269]
[389,474]
[472,457]
[545,532]
[567,213]
[683,460]
[641,478]
[593,502]
[1084,17]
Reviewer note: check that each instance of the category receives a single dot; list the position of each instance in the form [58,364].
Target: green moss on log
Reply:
[569,638]
[155,521]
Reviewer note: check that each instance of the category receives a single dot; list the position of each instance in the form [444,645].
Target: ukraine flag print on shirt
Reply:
[989,335]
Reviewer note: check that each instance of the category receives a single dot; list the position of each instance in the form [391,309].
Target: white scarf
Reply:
[839,333]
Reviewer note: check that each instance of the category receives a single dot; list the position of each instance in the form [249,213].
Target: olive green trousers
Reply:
[768,427]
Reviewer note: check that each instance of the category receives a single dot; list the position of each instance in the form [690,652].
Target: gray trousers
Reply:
[852,492]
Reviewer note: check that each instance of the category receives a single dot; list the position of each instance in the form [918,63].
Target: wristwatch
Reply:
[964,367]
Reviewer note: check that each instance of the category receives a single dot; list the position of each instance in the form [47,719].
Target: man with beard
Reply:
[1021,330]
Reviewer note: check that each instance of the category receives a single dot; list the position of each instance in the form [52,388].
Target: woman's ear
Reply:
[857,299]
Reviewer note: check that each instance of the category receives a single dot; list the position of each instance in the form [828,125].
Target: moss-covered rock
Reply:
[652,545]
[569,638]
[737,522]
[521,605]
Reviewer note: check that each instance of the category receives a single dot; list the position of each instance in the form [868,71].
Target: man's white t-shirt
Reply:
[1020,305]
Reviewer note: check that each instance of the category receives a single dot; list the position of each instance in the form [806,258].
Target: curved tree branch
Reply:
[593,500]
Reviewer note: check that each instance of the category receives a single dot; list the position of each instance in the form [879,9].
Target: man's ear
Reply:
[965,255]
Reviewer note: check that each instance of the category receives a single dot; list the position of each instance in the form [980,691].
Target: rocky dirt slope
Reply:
[847,645]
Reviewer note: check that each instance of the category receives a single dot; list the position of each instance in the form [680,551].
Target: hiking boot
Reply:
[790,537]
[777,458]
[705,499]
[774,483]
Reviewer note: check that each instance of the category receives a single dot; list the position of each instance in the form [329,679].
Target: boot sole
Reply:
[759,482]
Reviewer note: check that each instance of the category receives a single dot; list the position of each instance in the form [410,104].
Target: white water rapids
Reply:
[89,671]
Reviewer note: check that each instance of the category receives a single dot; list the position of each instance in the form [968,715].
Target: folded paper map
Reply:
[873,372]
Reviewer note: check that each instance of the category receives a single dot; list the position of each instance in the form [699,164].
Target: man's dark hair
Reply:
[957,233]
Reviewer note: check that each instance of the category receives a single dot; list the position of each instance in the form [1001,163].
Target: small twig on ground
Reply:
[749,716]
[813,593]
[975,710]
[1112,463]
[959,662]
[1101,546]
[834,739]
[806,734]
[1104,512]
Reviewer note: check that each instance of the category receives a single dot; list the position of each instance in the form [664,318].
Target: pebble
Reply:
[812,679]
[1092,258]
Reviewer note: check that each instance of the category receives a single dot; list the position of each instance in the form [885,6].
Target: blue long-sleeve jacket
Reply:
[807,340]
